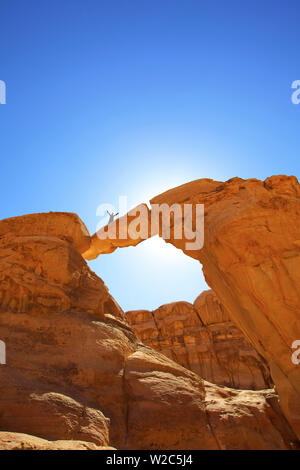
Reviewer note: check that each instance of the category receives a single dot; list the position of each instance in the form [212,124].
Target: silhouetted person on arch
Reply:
[111,216]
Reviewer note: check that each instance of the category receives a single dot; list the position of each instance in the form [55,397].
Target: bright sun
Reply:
[155,249]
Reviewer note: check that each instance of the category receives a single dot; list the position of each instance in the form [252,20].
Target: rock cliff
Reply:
[202,338]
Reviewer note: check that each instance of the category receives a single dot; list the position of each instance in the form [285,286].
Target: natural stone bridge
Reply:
[75,370]
[251,260]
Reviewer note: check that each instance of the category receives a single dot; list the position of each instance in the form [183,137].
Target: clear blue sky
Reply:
[109,98]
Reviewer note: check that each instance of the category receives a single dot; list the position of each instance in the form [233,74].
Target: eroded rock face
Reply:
[41,273]
[250,259]
[75,370]
[170,407]
[202,338]
[63,225]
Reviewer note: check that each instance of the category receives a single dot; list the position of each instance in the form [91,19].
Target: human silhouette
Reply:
[111,216]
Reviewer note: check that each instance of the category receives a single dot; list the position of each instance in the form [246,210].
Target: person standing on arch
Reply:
[111,216]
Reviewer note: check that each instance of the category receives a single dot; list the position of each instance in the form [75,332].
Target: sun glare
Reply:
[155,249]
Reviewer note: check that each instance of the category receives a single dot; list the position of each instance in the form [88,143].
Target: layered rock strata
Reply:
[202,338]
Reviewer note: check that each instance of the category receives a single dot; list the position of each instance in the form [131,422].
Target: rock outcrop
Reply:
[42,273]
[250,259]
[63,225]
[202,338]
[76,371]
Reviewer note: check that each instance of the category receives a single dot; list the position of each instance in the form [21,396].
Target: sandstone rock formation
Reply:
[118,234]
[63,225]
[19,441]
[202,338]
[250,259]
[76,371]
[42,273]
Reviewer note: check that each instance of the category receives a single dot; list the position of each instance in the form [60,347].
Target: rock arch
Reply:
[251,259]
